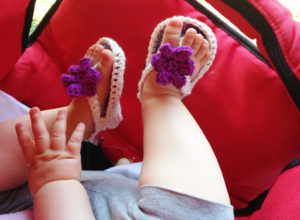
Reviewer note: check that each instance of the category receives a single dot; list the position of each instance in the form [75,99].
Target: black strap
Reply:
[229,30]
[291,165]
[272,46]
[41,26]
[256,203]
[27,24]
[258,21]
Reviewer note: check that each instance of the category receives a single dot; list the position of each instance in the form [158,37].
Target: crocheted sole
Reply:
[113,114]
[155,42]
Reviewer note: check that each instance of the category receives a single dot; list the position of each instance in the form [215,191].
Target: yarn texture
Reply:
[173,64]
[82,80]
[113,115]
[154,46]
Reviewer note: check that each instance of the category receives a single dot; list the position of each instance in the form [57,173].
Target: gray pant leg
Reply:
[16,200]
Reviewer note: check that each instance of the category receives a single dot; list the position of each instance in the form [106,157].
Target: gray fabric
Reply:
[131,171]
[115,196]
[15,200]
[167,204]
[13,108]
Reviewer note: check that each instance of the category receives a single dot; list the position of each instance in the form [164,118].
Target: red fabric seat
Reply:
[241,104]
[283,200]
[12,18]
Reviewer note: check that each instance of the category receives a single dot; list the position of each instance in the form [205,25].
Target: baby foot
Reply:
[104,58]
[79,109]
[200,56]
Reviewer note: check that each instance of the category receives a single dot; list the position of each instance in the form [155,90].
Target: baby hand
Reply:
[49,157]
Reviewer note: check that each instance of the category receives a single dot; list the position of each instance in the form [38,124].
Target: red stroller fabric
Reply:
[280,19]
[283,200]
[12,18]
[241,104]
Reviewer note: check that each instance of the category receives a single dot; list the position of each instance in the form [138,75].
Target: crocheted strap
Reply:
[82,80]
[173,65]
[185,84]
[113,115]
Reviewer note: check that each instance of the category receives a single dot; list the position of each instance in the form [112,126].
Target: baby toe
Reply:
[189,37]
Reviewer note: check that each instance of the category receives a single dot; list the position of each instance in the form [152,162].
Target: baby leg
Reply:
[176,153]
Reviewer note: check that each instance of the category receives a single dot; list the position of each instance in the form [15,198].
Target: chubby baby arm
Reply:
[54,168]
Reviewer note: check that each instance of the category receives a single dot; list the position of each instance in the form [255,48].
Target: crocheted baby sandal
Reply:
[179,72]
[113,115]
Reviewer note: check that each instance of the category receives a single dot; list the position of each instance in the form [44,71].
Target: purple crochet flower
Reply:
[83,79]
[173,65]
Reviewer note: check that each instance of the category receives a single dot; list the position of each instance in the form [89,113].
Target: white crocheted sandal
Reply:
[155,42]
[113,114]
